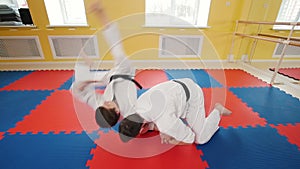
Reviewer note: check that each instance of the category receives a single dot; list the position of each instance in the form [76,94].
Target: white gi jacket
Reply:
[164,105]
[123,91]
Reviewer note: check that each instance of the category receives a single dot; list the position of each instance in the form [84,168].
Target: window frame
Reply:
[286,27]
[64,17]
[151,16]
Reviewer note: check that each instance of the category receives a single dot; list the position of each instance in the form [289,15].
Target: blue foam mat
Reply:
[8,77]
[141,91]
[15,105]
[249,148]
[51,151]
[257,147]
[67,84]
[201,77]
[274,105]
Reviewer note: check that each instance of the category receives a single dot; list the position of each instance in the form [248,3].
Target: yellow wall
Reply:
[259,10]
[141,43]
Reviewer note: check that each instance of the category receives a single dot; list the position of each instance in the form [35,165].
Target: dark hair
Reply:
[130,127]
[106,118]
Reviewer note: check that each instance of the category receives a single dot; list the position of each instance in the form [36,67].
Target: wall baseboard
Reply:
[103,65]
[266,64]
[147,64]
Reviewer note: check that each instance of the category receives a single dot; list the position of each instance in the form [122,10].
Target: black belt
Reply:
[187,92]
[126,77]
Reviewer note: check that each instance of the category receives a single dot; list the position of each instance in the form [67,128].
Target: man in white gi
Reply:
[120,94]
[166,105]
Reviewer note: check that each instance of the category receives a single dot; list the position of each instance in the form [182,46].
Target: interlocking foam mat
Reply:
[43,126]
[293,73]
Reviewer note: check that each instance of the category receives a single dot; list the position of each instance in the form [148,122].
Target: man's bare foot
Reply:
[95,7]
[222,109]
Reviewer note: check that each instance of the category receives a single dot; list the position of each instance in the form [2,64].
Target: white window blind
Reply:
[177,13]
[289,12]
[66,12]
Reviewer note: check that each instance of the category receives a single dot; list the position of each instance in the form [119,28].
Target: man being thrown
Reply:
[166,104]
[120,94]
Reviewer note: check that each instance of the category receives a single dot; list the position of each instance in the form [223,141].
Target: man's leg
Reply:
[112,35]
[204,128]
[122,64]
[211,124]
[196,111]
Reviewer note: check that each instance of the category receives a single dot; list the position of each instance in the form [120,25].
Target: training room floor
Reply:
[43,126]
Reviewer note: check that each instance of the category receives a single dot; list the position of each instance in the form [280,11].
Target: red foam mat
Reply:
[291,132]
[149,78]
[175,157]
[236,78]
[58,113]
[41,80]
[1,135]
[290,72]
[242,115]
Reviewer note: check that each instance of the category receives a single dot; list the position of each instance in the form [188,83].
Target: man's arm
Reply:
[83,87]
[86,93]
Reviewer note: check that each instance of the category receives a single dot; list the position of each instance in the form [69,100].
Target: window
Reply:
[289,12]
[66,12]
[177,13]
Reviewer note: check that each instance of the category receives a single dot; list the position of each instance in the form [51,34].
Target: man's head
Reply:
[130,127]
[108,114]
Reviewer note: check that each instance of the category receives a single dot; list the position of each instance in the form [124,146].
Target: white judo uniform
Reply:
[123,91]
[166,105]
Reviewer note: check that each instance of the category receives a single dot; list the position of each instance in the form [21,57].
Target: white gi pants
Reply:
[123,90]
[203,127]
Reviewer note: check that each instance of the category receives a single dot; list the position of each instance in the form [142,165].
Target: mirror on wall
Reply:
[15,13]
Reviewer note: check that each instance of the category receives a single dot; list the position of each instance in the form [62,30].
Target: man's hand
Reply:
[166,139]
